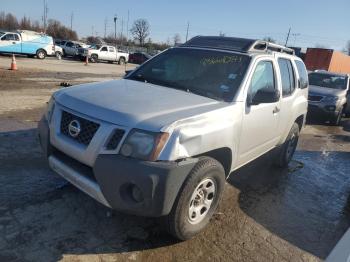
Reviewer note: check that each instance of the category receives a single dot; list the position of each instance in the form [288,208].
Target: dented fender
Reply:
[203,133]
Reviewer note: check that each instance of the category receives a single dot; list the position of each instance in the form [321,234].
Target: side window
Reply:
[287,76]
[104,49]
[69,44]
[111,49]
[263,78]
[16,37]
[9,37]
[303,76]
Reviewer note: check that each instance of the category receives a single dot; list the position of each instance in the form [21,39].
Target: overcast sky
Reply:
[313,22]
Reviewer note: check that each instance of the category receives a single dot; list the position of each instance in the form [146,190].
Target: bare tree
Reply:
[269,39]
[140,30]
[177,39]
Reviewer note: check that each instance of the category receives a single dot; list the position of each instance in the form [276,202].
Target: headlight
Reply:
[144,145]
[330,99]
[50,109]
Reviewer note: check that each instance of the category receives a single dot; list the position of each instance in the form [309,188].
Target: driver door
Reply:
[103,53]
[260,121]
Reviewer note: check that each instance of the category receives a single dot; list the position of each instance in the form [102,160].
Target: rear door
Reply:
[260,122]
[10,43]
[289,92]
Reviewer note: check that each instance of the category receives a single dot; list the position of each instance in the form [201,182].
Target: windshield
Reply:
[95,46]
[328,80]
[213,74]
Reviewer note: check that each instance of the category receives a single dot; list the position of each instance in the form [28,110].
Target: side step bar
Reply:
[80,181]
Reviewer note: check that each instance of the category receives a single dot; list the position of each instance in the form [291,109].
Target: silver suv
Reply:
[162,141]
[329,95]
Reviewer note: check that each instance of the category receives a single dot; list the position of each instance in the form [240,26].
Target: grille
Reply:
[315,98]
[115,139]
[87,128]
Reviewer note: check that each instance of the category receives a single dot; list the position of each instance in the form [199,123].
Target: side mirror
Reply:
[265,95]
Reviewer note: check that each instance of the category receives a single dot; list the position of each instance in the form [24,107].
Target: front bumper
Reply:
[323,109]
[112,178]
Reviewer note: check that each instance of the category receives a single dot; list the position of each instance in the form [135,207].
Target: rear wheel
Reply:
[197,200]
[121,61]
[288,148]
[41,54]
[58,55]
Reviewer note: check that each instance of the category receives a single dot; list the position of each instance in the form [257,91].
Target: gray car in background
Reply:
[329,95]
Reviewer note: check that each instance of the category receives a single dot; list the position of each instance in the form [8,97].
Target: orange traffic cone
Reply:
[86,60]
[13,63]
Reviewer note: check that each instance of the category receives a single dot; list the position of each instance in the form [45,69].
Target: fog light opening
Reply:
[136,194]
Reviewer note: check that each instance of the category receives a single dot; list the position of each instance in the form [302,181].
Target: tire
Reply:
[94,58]
[58,55]
[41,54]
[206,181]
[337,119]
[121,61]
[288,148]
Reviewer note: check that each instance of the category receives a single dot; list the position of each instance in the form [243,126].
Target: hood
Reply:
[134,104]
[324,91]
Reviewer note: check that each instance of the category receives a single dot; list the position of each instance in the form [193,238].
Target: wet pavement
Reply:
[267,214]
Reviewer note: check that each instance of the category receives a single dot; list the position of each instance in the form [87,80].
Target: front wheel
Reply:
[94,58]
[41,54]
[197,200]
[288,148]
[337,119]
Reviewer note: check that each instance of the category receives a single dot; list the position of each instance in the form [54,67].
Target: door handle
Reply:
[14,43]
[276,110]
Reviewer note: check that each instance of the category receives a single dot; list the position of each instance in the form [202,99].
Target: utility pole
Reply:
[127,30]
[288,36]
[46,10]
[105,27]
[295,37]
[188,27]
[115,29]
[92,31]
[121,34]
[71,21]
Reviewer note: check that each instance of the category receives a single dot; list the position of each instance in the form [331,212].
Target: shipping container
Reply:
[327,59]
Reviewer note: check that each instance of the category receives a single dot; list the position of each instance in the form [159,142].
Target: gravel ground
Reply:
[297,214]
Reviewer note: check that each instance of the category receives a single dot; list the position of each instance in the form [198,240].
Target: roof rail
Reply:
[236,44]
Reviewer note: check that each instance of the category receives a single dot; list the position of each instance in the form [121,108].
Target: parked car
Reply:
[139,57]
[104,53]
[329,95]
[162,141]
[26,42]
[70,48]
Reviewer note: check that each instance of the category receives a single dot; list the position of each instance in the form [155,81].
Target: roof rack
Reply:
[236,44]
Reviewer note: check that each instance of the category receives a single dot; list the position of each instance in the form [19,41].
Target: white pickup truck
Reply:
[104,53]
